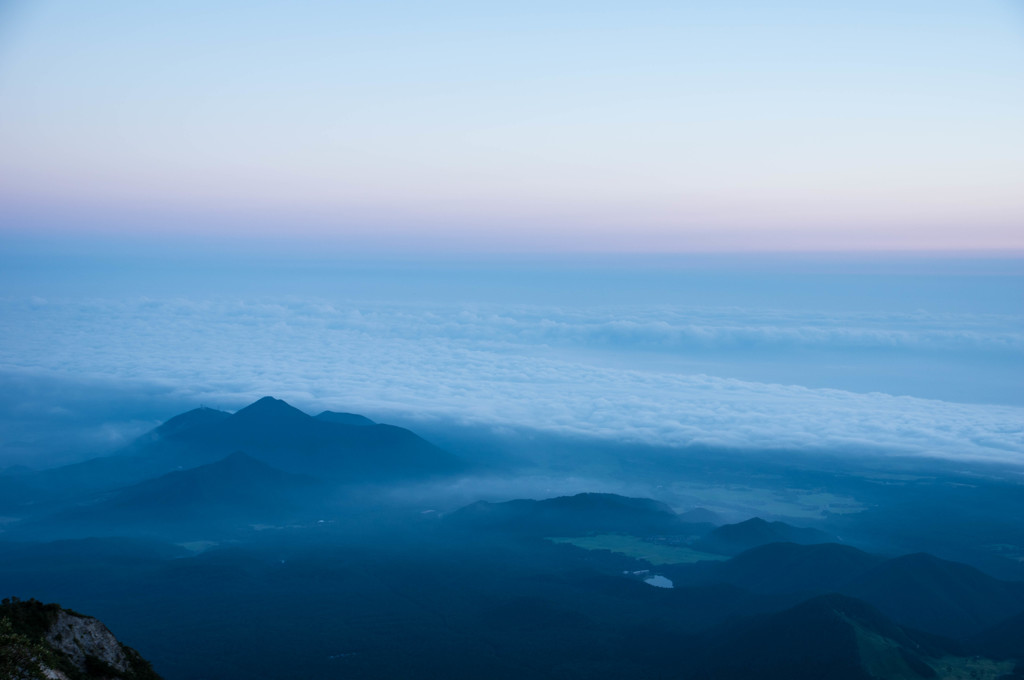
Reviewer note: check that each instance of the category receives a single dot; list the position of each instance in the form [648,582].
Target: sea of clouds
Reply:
[659,374]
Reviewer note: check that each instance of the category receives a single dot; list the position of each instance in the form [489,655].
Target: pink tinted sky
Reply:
[564,126]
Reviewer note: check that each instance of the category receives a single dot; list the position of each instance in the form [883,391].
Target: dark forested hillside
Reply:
[268,544]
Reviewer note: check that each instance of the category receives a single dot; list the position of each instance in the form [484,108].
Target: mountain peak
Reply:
[732,539]
[608,501]
[269,402]
[197,417]
[576,515]
[269,407]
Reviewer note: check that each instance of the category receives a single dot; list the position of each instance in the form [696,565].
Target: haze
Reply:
[406,340]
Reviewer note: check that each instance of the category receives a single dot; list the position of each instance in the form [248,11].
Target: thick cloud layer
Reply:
[662,375]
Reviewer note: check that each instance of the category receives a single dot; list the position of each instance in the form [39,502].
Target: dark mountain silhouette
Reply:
[270,430]
[920,591]
[1003,640]
[198,417]
[573,516]
[285,437]
[938,596]
[268,411]
[142,460]
[239,480]
[344,418]
[830,636]
[783,568]
[732,539]
[236,490]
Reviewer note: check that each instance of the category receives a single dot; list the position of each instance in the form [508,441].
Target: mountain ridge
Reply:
[733,539]
[233,492]
[268,429]
[573,515]
[829,636]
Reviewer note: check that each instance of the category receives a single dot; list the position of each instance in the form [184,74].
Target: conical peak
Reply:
[272,409]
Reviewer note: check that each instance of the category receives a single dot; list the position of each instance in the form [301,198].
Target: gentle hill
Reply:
[238,481]
[938,596]
[198,417]
[784,568]
[830,636]
[236,491]
[1004,639]
[344,418]
[573,516]
[45,641]
[72,483]
[732,539]
[920,591]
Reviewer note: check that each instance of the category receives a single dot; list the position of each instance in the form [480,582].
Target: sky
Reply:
[767,226]
[530,127]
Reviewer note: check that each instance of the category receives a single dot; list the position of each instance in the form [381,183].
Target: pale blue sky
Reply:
[530,126]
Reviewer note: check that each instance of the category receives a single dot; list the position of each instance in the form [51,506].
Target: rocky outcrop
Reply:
[45,641]
[79,637]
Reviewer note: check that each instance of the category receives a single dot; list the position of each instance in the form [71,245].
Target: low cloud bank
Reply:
[547,368]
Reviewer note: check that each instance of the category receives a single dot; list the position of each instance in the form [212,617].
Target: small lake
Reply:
[658,581]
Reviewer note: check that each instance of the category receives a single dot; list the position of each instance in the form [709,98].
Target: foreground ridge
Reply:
[47,641]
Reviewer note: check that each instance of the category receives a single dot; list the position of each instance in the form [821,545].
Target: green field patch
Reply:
[971,668]
[633,546]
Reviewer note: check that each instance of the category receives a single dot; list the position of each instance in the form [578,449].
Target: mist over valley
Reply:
[333,544]
[537,340]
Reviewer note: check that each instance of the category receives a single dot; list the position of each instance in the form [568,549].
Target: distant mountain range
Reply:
[920,591]
[483,578]
[575,515]
[783,568]
[223,509]
[238,490]
[591,513]
[208,471]
[340,447]
[830,636]
[732,539]
[939,596]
